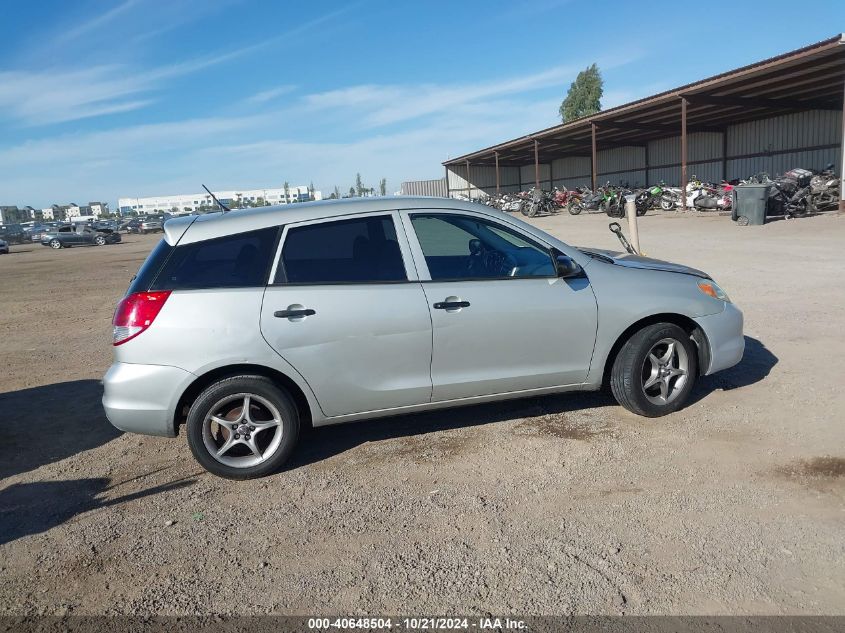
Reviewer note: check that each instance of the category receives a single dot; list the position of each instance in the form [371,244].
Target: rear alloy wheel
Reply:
[56,244]
[655,370]
[242,427]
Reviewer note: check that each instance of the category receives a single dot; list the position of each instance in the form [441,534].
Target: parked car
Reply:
[4,247]
[245,326]
[129,226]
[79,235]
[38,231]
[12,233]
[150,225]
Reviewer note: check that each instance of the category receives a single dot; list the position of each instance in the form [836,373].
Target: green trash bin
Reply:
[750,202]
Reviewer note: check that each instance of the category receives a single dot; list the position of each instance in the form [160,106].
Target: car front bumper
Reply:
[724,336]
[143,398]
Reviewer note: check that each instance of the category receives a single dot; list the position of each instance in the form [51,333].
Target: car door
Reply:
[346,310]
[503,321]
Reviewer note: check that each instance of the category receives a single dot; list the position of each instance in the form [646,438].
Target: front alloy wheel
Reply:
[655,370]
[55,244]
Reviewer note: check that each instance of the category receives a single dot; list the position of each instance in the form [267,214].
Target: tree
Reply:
[311,190]
[382,186]
[336,193]
[351,192]
[287,192]
[584,96]
[359,185]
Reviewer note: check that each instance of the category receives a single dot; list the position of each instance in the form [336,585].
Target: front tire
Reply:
[654,372]
[242,427]
[100,240]
[55,244]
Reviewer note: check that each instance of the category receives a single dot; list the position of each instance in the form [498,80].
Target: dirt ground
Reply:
[555,505]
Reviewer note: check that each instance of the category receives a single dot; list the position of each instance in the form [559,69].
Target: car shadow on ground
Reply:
[46,424]
[756,363]
[32,508]
[322,443]
[325,442]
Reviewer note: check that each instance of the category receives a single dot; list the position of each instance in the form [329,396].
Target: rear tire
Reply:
[272,425]
[646,362]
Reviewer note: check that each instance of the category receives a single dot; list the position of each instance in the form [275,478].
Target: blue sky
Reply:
[152,97]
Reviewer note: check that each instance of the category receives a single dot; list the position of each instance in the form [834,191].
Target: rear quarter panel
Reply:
[203,330]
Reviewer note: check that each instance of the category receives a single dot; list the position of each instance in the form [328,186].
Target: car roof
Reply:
[211,225]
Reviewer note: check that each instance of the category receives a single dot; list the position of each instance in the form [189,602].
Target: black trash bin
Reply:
[750,202]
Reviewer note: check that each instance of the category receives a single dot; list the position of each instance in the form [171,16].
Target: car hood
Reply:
[646,263]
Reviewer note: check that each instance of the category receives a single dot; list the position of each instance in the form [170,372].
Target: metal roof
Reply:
[810,78]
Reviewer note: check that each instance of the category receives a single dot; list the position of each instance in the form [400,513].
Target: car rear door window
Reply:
[234,261]
[360,250]
[460,247]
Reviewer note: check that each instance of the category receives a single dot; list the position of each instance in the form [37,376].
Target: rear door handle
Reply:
[450,305]
[293,314]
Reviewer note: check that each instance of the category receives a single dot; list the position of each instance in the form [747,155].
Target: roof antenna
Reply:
[213,197]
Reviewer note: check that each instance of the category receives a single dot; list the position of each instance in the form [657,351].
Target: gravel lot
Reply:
[557,505]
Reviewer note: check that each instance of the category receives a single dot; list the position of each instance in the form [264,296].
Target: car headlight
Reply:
[712,289]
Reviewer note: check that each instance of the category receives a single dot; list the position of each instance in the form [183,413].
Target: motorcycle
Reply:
[824,190]
[651,197]
[593,201]
[541,203]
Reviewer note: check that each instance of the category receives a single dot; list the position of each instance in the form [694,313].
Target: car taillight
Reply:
[135,313]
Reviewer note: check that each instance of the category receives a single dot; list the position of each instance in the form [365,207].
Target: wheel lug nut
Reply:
[237,436]
[251,428]
[247,436]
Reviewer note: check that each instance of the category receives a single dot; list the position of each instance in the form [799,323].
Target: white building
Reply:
[181,204]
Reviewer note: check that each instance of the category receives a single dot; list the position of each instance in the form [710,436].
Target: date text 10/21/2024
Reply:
[415,623]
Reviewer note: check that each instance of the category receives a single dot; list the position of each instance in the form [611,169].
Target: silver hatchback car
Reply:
[245,326]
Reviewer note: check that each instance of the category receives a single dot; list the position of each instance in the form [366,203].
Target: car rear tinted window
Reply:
[234,261]
[362,250]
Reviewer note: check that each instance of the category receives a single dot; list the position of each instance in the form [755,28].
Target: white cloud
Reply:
[269,95]
[95,22]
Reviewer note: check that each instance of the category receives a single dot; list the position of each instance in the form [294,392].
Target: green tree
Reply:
[336,193]
[584,96]
[311,191]
[351,192]
[382,186]
[287,191]
[359,185]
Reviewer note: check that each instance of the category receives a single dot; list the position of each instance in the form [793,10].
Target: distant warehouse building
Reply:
[771,116]
[197,202]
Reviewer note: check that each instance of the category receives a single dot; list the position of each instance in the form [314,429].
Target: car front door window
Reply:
[459,247]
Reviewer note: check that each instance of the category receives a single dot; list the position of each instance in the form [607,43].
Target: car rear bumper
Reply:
[143,398]
[724,336]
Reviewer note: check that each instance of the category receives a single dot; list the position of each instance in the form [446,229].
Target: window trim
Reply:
[422,265]
[411,275]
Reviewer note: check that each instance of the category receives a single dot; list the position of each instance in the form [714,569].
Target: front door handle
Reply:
[294,314]
[450,305]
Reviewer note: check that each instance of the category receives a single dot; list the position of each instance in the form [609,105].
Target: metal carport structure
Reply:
[755,118]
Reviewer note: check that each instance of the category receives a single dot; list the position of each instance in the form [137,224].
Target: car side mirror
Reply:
[567,267]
